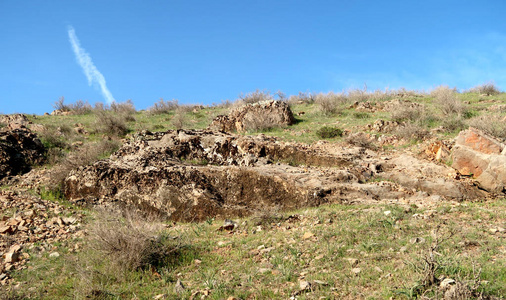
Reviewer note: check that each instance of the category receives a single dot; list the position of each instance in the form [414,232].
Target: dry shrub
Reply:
[180,119]
[107,122]
[492,124]
[122,242]
[361,139]
[254,97]
[412,131]
[126,107]
[408,114]
[80,107]
[330,104]
[82,156]
[261,122]
[56,136]
[488,89]
[302,98]
[130,241]
[163,107]
[453,124]
[447,101]
[60,104]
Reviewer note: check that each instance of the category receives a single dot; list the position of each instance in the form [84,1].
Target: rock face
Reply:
[19,150]
[191,175]
[194,175]
[481,156]
[265,114]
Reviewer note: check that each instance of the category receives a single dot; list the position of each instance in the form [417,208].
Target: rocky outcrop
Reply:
[481,156]
[20,149]
[191,175]
[260,115]
[194,175]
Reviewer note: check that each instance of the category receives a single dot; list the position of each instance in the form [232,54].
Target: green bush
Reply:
[328,132]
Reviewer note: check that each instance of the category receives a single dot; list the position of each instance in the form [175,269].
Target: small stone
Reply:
[179,287]
[197,261]
[403,249]
[353,261]
[319,282]
[387,212]
[264,270]
[160,296]
[304,285]
[446,282]
[417,240]
[356,271]
[307,235]
[54,254]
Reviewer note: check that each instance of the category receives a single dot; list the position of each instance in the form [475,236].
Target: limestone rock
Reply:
[264,114]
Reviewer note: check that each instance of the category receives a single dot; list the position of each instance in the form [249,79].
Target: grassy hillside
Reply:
[333,251]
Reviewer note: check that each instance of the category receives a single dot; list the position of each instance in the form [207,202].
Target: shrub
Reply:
[256,96]
[180,119]
[80,107]
[448,102]
[412,131]
[307,98]
[488,89]
[109,123]
[163,107]
[491,124]
[330,103]
[60,104]
[453,123]
[328,132]
[130,241]
[82,156]
[56,136]
[408,114]
[126,107]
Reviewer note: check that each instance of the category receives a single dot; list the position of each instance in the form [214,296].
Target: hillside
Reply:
[394,194]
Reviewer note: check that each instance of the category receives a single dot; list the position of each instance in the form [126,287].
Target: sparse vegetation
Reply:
[341,251]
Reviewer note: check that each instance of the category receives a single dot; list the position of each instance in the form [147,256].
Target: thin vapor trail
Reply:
[89,69]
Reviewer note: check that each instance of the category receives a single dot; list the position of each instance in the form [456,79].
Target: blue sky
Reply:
[203,52]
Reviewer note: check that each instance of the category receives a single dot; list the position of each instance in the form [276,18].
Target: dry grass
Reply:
[412,131]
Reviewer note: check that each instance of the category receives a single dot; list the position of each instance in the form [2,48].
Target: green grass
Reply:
[271,262]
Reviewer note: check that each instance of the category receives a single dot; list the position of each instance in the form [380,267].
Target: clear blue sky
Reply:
[207,51]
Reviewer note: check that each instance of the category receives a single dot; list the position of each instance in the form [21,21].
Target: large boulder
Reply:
[260,115]
[481,156]
[20,149]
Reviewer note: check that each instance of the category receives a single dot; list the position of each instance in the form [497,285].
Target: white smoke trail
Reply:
[89,68]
